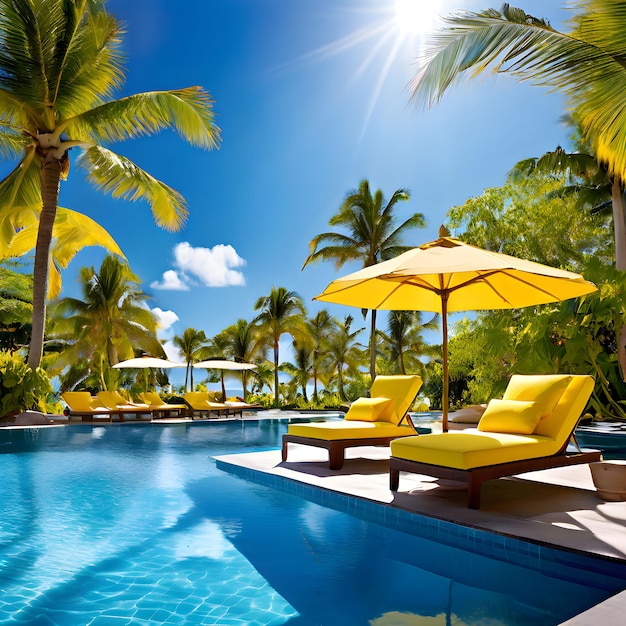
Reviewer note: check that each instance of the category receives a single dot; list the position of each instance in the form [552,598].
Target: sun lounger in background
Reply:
[373,421]
[528,430]
[160,408]
[116,402]
[237,405]
[199,402]
[82,404]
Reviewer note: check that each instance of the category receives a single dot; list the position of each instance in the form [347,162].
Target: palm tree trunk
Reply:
[50,176]
[275,372]
[373,346]
[619,226]
[244,384]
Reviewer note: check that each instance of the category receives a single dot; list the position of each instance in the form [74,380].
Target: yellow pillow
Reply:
[546,390]
[367,409]
[510,416]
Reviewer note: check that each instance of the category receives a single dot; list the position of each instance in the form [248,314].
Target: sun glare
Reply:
[416,17]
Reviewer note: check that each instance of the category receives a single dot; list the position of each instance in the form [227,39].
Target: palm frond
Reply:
[88,63]
[22,186]
[416,220]
[587,64]
[72,231]
[188,111]
[120,177]
[12,144]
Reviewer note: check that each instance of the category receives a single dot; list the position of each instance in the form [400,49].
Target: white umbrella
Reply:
[143,362]
[224,364]
[218,364]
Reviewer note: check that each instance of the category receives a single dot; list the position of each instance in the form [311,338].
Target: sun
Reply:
[416,17]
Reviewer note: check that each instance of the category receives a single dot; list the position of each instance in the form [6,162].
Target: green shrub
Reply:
[21,388]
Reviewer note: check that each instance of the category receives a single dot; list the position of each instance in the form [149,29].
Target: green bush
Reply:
[21,388]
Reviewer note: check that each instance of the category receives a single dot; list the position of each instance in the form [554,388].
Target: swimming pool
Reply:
[135,524]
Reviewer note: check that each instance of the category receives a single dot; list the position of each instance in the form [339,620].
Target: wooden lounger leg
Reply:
[394,479]
[473,492]
[335,457]
[284,450]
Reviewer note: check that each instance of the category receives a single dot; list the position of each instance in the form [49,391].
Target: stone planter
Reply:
[609,477]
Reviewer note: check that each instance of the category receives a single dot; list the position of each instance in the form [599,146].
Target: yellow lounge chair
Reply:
[373,421]
[160,408]
[528,430]
[120,405]
[200,402]
[237,405]
[82,404]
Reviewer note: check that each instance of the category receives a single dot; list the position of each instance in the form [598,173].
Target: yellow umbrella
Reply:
[448,275]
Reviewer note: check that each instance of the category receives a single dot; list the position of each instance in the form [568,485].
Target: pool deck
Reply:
[557,507]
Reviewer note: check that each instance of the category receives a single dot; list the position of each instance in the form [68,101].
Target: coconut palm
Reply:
[109,324]
[585,64]
[241,343]
[344,352]
[281,312]
[371,237]
[404,343]
[59,67]
[320,327]
[301,369]
[192,345]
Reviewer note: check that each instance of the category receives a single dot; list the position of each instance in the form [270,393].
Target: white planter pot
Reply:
[609,477]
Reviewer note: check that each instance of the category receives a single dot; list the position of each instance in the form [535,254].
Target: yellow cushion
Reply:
[545,390]
[472,448]
[367,409]
[151,397]
[78,400]
[342,429]
[510,416]
[401,390]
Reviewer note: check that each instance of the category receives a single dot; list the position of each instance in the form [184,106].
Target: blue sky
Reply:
[311,97]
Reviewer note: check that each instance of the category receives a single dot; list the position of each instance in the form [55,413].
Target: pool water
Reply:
[134,524]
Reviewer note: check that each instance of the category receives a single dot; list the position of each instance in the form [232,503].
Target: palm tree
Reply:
[111,323]
[192,345]
[404,342]
[60,65]
[302,368]
[344,352]
[241,343]
[320,327]
[282,311]
[372,237]
[586,64]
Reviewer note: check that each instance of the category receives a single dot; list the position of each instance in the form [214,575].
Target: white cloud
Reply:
[171,282]
[212,267]
[166,319]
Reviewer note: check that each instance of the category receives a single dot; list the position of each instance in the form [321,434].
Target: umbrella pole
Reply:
[444,330]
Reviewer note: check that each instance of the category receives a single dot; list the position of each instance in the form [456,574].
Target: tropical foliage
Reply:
[21,387]
[16,308]
[60,65]
[573,336]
